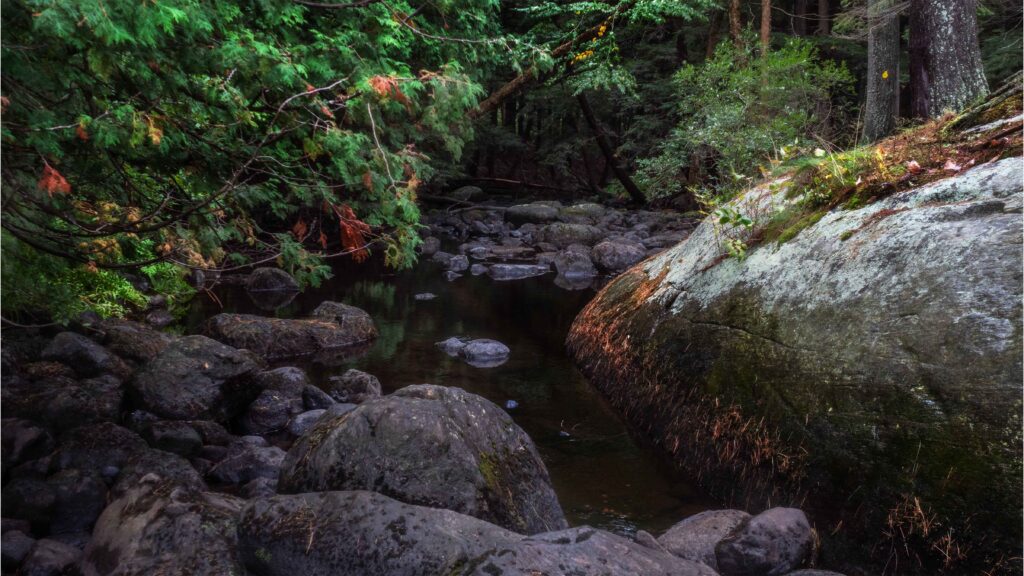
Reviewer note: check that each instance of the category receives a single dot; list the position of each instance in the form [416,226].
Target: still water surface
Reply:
[601,474]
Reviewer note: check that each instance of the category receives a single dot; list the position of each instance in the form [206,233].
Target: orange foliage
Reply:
[52,181]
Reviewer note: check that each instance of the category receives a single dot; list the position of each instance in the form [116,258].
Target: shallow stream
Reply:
[603,477]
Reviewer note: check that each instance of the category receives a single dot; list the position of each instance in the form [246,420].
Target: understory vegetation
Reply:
[146,146]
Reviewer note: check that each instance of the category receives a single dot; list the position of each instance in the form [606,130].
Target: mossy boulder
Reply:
[431,446]
[359,532]
[872,361]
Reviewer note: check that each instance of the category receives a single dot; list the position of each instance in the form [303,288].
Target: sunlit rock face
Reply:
[870,360]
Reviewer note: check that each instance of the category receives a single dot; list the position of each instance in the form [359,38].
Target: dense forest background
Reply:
[160,142]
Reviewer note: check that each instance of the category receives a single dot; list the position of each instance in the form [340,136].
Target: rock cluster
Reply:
[580,243]
[126,451]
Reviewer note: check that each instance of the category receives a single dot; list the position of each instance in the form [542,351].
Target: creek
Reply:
[602,475]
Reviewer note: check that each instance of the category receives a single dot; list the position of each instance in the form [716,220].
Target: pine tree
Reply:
[883,91]
[945,61]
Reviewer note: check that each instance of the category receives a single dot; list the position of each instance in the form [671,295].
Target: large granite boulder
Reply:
[564,234]
[695,537]
[334,326]
[196,378]
[873,358]
[432,446]
[531,213]
[357,533]
[158,527]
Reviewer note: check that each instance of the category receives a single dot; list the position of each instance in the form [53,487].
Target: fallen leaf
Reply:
[914,168]
[952,166]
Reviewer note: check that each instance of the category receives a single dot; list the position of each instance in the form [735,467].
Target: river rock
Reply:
[429,246]
[458,263]
[22,440]
[769,544]
[354,387]
[314,398]
[334,326]
[433,446]
[159,528]
[695,537]
[102,447]
[876,335]
[562,234]
[617,256]
[301,423]
[196,377]
[79,498]
[50,558]
[425,296]
[173,468]
[585,213]
[29,499]
[574,263]
[248,458]
[61,403]
[416,540]
[172,436]
[270,280]
[530,213]
[271,412]
[83,355]
[466,193]
[133,341]
[13,549]
[516,271]
[481,353]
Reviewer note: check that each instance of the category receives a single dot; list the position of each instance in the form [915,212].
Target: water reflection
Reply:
[601,475]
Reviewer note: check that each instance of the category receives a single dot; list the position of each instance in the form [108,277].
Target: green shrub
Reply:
[740,108]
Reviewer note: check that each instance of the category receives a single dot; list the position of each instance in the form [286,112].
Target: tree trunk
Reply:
[824,17]
[766,26]
[609,153]
[800,18]
[713,34]
[735,24]
[883,93]
[946,71]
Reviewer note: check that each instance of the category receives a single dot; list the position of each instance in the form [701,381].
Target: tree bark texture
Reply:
[766,26]
[946,73]
[824,18]
[800,18]
[883,92]
[735,24]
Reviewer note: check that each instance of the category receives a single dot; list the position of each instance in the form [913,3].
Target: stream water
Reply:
[603,477]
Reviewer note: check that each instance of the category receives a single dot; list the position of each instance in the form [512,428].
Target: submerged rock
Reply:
[873,334]
[481,353]
[432,446]
[416,540]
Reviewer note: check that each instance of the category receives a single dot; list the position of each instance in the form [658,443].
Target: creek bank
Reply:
[207,462]
[874,359]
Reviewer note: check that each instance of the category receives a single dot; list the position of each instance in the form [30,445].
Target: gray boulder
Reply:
[248,458]
[354,387]
[419,541]
[772,543]
[196,377]
[585,213]
[173,436]
[83,355]
[562,234]
[61,403]
[14,546]
[271,412]
[133,341]
[695,537]
[433,446]
[516,271]
[333,326]
[157,527]
[574,264]
[480,353]
[301,423]
[429,246]
[50,558]
[530,213]
[875,334]
[617,256]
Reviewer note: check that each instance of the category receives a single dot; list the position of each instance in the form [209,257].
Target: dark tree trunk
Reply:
[766,26]
[824,18]
[713,35]
[800,18]
[735,24]
[946,71]
[883,93]
[609,153]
